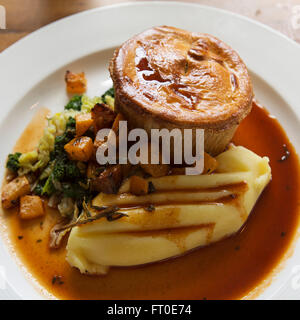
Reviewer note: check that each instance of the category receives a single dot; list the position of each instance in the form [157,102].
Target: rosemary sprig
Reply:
[110,213]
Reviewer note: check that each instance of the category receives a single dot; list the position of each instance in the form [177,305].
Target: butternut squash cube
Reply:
[76,82]
[210,164]
[156,170]
[83,123]
[80,149]
[31,207]
[109,180]
[12,191]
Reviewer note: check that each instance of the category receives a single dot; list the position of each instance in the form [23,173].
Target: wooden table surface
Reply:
[25,16]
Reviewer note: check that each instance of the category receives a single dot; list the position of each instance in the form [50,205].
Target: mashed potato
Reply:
[186,212]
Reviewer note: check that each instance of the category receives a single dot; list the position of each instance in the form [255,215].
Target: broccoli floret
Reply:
[71,124]
[110,92]
[60,142]
[38,190]
[13,161]
[74,190]
[49,188]
[69,189]
[59,170]
[65,169]
[75,103]
[72,171]
[57,174]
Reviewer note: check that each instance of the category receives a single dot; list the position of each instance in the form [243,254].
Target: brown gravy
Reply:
[229,269]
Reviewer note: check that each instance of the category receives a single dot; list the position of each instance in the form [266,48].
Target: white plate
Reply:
[32,72]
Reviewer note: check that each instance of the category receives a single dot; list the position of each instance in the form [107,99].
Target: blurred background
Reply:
[25,16]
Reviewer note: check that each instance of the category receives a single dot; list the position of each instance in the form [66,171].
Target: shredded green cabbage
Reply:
[110,101]
[39,158]
[89,103]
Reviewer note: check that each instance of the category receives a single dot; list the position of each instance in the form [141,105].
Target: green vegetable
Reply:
[58,125]
[110,92]
[89,103]
[48,188]
[46,172]
[39,158]
[71,124]
[63,170]
[75,103]
[60,142]
[13,161]
[109,97]
[30,161]
[75,191]
[38,190]
[58,172]
[72,172]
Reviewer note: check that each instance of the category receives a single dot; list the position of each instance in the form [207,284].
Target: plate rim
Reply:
[155,2]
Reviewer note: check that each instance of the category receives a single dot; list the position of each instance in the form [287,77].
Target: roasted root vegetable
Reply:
[103,116]
[114,129]
[76,82]
[116,126]
[138,186]
[94,169]
[126,170]
[15,189]
[116,123]
[210,164]
[80,149]
[31,207]
[177,171]
[83,122]
[109,180]
[155,170]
